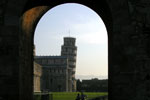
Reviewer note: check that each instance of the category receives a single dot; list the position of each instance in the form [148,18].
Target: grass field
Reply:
[71,95]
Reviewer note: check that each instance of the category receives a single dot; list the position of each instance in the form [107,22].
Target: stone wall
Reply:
[129,69]
[9,53]
[37,77]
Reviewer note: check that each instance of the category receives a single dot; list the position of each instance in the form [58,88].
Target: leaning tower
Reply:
[70,50]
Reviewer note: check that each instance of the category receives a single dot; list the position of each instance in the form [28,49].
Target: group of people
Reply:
[81,97]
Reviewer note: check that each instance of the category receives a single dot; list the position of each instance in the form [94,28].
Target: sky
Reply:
[81,22]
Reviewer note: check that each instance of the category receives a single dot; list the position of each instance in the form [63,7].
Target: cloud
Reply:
[93,38]
[91,32]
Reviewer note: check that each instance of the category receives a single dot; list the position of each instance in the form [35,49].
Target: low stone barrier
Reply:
[45,96]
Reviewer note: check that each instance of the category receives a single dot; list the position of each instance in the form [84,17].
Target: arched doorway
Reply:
[91,40]
[31,15]
[130,22]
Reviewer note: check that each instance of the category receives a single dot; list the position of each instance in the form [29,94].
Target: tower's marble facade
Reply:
[70,51]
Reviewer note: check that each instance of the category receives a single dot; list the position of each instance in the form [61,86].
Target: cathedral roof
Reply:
[60,57]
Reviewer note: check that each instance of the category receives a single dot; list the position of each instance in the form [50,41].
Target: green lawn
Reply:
[71,95]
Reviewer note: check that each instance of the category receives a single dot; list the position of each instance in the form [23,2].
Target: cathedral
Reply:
[57,73]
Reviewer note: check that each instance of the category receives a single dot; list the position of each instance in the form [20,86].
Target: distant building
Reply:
[93,85]
[55,73]
[58,72]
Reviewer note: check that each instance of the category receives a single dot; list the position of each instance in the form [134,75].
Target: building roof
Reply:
[60,57]
[70,37]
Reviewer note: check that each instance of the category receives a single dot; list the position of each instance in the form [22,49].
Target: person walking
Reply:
[78,97]
[83,97]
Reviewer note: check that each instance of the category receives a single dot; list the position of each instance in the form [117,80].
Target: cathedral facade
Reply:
[58,72]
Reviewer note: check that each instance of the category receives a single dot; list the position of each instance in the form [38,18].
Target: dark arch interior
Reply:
[127,23]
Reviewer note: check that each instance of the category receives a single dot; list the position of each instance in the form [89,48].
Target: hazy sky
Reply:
[88,29]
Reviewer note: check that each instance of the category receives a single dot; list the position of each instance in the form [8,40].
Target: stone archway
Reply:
[128,26]
[29,21]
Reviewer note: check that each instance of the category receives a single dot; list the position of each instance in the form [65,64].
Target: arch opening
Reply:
[29,21]
[91,37]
